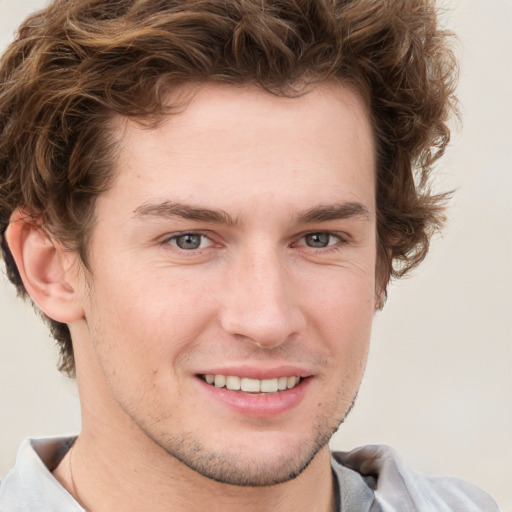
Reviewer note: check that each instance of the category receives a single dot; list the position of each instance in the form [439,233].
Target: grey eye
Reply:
[318,240]
[188,241]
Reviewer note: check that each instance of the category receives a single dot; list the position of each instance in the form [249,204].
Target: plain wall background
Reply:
[439,381]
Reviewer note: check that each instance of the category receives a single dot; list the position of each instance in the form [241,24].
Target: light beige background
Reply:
[439,381]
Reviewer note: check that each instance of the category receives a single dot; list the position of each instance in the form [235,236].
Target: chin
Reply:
[242,469]
[256,461]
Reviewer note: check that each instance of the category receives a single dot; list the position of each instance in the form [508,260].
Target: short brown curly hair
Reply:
[76,64]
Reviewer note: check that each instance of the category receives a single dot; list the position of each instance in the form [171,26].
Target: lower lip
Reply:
[258,405]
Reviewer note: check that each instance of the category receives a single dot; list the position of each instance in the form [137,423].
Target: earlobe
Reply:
[44,268]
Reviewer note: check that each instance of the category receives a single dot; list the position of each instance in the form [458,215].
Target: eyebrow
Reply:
[326,213]
[322,213]
[170,209]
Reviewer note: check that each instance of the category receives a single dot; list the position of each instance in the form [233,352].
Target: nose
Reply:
[259,301]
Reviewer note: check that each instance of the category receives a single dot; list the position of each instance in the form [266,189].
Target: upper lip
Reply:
[260,373]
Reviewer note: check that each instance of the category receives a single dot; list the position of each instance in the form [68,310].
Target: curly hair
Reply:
[77,64]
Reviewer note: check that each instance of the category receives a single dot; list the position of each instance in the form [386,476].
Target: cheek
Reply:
[147,320]
[343,310]
[343,296]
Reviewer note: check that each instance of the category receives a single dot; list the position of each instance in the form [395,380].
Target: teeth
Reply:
[247,385]
[233,383]
[250,385]
[291,382]
[269,385]
[282,383]
[220,381]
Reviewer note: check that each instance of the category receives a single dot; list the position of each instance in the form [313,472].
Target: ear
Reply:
[46,269]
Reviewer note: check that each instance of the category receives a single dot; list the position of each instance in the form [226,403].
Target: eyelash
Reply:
[334,237]
[173,238]
[334,240]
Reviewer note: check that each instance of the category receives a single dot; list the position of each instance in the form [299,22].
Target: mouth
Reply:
[254,386]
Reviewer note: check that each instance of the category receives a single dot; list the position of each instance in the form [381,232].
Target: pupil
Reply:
[188,241]
[318,240]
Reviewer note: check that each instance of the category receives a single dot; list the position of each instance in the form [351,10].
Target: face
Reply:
[232,284]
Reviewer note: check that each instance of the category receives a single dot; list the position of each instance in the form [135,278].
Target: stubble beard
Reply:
[234,468]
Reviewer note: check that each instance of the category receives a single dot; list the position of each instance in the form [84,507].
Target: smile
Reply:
[247,385]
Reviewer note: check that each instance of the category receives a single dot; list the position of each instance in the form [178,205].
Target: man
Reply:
[206,201]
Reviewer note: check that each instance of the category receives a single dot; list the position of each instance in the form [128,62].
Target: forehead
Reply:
[230,142]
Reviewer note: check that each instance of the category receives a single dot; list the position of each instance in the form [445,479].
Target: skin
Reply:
[283,281]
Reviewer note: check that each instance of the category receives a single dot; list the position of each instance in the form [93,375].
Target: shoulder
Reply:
[397,487]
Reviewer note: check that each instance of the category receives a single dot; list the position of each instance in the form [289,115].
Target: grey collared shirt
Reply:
[369,479]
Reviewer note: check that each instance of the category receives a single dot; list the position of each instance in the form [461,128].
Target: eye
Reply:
[321,239]
[189,241]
